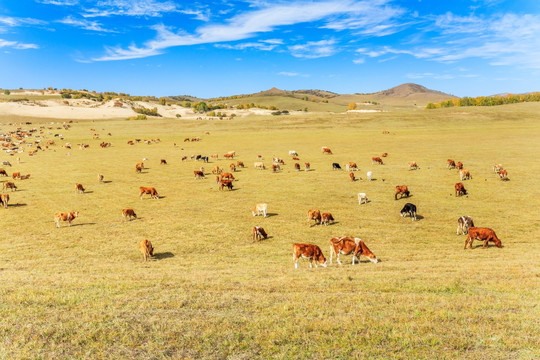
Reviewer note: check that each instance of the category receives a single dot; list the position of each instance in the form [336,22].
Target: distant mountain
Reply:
[410,89]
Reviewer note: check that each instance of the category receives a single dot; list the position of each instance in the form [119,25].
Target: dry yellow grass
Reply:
[210,292]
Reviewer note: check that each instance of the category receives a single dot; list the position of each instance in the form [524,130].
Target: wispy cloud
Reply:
[18,21]
[292,74]
[314,49]
[151,8]
[59,2]
[17,45]
[359,61]
[243,46]
[84,24]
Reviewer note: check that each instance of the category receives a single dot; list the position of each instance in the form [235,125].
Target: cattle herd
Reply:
[338,245]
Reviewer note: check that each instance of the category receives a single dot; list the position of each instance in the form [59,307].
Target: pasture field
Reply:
[210,292]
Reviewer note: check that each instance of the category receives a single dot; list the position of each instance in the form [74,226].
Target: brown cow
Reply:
[140,164]
[198,174]
[16,175]
[413,165]
[228,176]
[351,166]
[100,178]
[215,156]
[4,199]
[275,167]
[497,168]
[240,164]
[79,188]
[307,166]
[308,251]
[297,166]
[148,190]
[460,189]
[9,185]
[258,233]
[450,164]
[485,234]
[464,174]
[146,249]
[377,160]
[314,215]
[228,156]
[186,139]
[3,172]
[296,158]
[217,170]
[326,218]
[401,190]
[348,245]
[459,165]
[384,155]
[225,183]
[326,150]
[128,213]
[138,168]
[65,216]
[351,175]
[503,175]
[233,167]
[184,158]
[163,162]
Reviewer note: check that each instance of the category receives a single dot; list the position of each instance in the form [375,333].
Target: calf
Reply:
[204,159]
[384,155]
[307,166]
[450,164]
[4,199]
[260,209]
[233,167]
[198,174]
[497,168]
[377,160]
[336,166]
[65,216]
[460,189]
[485,234]
[326,218]
[9,185]
[464,223]
[409,209]
[362,198]
[225,183]
[138,169]
[128,213]
[310,252]
[348,245]
[79,188]
[464,175]
[258,233]
[314,215]
[146,249]
[401,190]
[351,175]
[148,190]
[217,170]
[293,153]
[413,165]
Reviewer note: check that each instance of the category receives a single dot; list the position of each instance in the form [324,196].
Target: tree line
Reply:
[486,100]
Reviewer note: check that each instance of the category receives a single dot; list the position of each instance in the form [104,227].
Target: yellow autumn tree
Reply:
[352,106]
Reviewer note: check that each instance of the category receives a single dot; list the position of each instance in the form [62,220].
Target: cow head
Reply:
[322,260]
[498,243]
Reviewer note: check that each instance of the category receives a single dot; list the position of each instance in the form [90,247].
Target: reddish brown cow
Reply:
[459,165]
[297,166]
[184,158]
[163,162]
[79,188]
[401,190]
[307,166]
[377,160]
[482,234]
[186,139]
[228,156]
[3,172]
[460,189]
[225,183]
[314,215]
[4,199]
[275,167]
[148,190]
[296,158]
[259,233]
[138,168]
[308,251]
[16,175]
[65,216]
[198,174]
[240,164]
[351,175]
[326,150]
[503,174]
[233,167]
[349,245]
[227,176]
[9,185]
[128,213]
[450,164]
[146,249]
[384,155]
[326,218]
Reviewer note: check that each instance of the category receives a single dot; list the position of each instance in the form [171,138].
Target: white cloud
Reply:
[17,45]
[59,2]
[314,49]
[16,21]
[152,8]
[359,61]
[292,74]
[84,24]
[254,45]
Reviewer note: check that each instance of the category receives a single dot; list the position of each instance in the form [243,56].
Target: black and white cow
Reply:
[336,166]
[204,158]
[409,209]
[198,157]
[464,223]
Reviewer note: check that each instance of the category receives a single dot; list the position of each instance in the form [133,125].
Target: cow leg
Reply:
[57,224]
[485,242]
[466,242]
[457,231]
[337,258]
[354,257]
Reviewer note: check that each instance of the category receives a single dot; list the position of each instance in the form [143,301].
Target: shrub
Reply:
[146,111]
[178,115]
[7,92]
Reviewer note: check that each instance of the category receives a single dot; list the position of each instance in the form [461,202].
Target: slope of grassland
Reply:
[211,293]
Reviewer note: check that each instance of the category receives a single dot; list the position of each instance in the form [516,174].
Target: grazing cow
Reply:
[336,166]
[9,185]
[138,168]
[459,165]
[464,223]
[198,174]
[240,164]
[260,209]
[386,132]
[326,150]
[233,167]
[464,175]
[100,178]
[297,166]
[460,189]
[16,175]
[503,175]
[293,153]
[186,139]
[314,215]
[450,164]
[215,156]
[163,162]
[348,245]
[184,158]
[204,159]
[409,209]
[228,156]
[148,190]
[259,165]
[401,190]
[225,183]
[362,198]
[146,249]
[3,172]
[377,160]
[275,167]
[259,233]
[307,166]
[65,216]
[308,251]
[216,170]
[369,174]
[6,163]
[485,234]
[296,158]
[278,161]
[384,155]
[497,168]
[227,176]
[351,166]
[128,213]
[198,157]
[351,175]
[413,165]
[79,188]
[4,199]
[326,218]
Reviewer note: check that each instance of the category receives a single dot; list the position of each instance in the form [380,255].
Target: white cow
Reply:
[260,209]
[293,153]
[369,174]
[362,197]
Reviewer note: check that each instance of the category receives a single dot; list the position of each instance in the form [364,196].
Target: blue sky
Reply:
[227,47]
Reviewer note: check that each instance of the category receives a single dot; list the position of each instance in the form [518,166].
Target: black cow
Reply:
[198,157]
[336,166]
[204,158]
[409,209]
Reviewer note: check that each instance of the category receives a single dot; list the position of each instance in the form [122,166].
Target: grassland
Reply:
[211,293]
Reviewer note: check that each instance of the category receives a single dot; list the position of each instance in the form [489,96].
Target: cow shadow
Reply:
[163,255]
[16,205]
[331,224]
[82,224]
[268,238]
[88,192]
[419,217]
[405,197]
[107,181]
[271,214]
